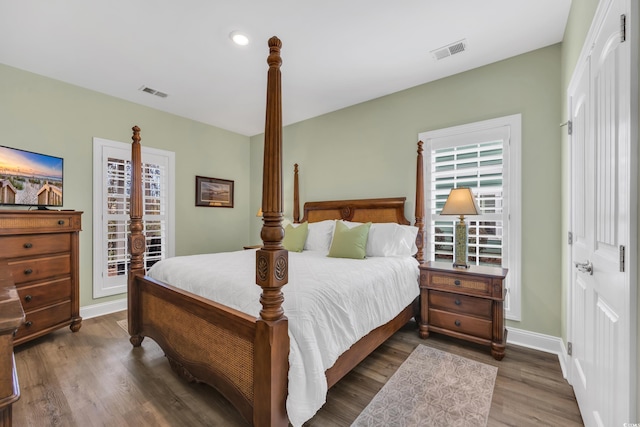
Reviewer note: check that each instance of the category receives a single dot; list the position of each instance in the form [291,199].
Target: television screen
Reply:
[30,179]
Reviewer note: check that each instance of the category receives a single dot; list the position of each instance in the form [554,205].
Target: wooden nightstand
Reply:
[464,303]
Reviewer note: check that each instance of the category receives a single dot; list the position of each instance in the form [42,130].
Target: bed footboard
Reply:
[204,341]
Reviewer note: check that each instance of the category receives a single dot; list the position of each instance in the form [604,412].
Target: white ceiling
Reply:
[336,53]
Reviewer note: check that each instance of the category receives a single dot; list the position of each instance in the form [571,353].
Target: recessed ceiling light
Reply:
[239,38]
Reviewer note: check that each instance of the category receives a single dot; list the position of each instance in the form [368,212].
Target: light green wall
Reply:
[369,150]
[48,116]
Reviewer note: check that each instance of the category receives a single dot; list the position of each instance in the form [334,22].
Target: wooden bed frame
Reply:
[243,357]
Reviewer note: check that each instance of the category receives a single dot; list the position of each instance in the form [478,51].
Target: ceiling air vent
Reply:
[452,49]
[153,92]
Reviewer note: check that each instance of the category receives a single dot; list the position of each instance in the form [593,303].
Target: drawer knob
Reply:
[457,323]
[28,271]
[28,298]
[28,245]
[61,222]
[456,282]
[28,323]
[457,302]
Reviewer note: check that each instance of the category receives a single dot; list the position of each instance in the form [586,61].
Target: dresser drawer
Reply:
[460,323]
[45,293]
[40,320]
[32,269]
[14,222]
[460,303]
[34,244]
[470,285]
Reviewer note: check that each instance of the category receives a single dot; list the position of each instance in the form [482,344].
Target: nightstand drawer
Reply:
[470,285]
[35,244]
[460,303]
[32,269]
[460,323]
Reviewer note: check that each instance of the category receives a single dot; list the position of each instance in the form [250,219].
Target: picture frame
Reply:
[214,192]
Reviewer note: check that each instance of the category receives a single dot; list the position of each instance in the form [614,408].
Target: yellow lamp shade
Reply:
[460,202]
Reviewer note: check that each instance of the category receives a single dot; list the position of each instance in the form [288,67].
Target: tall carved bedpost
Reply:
[272,340]
[296,195]
[420,205]
[136,238]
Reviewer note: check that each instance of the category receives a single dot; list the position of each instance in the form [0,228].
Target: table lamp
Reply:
[460,202]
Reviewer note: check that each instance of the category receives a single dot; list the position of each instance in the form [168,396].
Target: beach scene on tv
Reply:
[28,178]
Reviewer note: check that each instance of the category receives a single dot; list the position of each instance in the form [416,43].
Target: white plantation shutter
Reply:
[485,157]
[111,207]
[479,167]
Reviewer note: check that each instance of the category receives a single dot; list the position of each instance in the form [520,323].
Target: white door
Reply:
[600,297]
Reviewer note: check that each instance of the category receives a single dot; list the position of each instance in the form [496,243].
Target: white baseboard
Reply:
[542,342]
[95,310]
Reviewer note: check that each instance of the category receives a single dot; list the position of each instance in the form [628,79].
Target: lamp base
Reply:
[461,248]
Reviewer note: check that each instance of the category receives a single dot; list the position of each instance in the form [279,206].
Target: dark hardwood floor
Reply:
[95,378]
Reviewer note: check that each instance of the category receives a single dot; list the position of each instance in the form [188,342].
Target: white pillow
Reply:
[390,239]
[320,234]
[410,234]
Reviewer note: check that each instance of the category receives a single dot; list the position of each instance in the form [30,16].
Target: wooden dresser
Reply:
[464,303]
[11,317]
[41,250]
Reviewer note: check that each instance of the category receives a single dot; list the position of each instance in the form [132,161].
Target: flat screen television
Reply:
[30,179]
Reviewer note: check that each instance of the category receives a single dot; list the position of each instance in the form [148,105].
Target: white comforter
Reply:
[330,302]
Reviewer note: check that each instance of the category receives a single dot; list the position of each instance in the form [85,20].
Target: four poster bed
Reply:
[251,354]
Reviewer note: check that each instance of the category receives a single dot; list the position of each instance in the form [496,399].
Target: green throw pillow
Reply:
[349,242]
[295,237]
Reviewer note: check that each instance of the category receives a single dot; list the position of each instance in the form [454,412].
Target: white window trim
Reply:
[100,288]
[512,187]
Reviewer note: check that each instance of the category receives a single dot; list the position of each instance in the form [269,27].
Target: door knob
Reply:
[585,267]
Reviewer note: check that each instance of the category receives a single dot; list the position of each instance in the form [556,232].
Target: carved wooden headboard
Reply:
[363,210]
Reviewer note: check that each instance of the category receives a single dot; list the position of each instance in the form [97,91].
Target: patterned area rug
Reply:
[433,388]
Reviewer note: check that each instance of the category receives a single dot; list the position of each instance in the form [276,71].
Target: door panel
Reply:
[581,191]
[580,337]
[600,198]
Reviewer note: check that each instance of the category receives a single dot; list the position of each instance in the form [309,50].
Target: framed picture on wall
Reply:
[214,192]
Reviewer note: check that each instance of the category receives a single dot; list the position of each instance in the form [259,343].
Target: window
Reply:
[112,184]
[485,157]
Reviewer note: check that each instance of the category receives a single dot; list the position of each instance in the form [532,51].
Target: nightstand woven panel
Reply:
[439,280]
